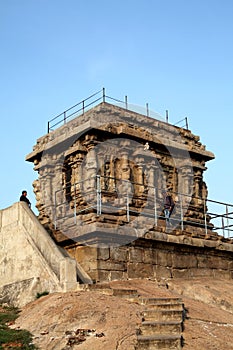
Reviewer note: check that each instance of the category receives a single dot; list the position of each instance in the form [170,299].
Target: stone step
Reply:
[99,286]
[125,293]
[162,315]
[162,327]
[178,307]
[105,288]
[168,342]
[161,300]
[102,288]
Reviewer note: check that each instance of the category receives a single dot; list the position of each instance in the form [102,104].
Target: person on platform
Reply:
[168,205]
[23,198]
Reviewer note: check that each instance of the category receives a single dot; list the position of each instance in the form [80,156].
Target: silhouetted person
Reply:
[23,198]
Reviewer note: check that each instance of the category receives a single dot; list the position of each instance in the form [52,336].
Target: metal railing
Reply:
[183,123]
[100,96]
[216,216]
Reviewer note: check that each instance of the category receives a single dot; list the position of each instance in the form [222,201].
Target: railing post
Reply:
[205,214]
[166,116]
[98,194]
[155,208]
[75,207]
[83,106]
[48,128]
[227,215]
[55,211]
[186,122]
[181,213]
[147,110]
[223,230]
[103,94]
[126,102]
[127,204]
[64,117]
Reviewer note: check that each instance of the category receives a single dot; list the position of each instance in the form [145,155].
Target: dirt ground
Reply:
[105,322]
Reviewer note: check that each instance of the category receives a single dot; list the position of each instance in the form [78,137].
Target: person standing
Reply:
[168,205]
[23,198]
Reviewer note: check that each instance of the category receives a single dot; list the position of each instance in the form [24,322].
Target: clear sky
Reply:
[176,55]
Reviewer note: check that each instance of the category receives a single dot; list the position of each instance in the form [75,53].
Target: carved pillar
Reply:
[186,183]
[79,183]
[38,194]
[58,194]
[112,183]
[125,168]
[139,187]
[204,191]
[197,188]
[73,180]
[152,178]
[89,175]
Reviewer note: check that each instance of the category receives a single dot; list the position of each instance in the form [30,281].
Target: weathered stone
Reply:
[162,272]
[117,275]
[162,257]
[139,270]
[148,256]
[136,255]
[112,265]
[222,274]
[103,275]
[82,253]
[214,262]
[230,265]
[119,253]
[103,253]
[184,261]
[204,272]
[96,277]
[181,273]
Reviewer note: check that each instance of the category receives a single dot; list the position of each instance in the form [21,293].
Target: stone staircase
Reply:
[162,324]
[162,318]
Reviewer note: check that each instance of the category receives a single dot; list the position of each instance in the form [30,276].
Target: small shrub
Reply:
[12,338]
[39,295]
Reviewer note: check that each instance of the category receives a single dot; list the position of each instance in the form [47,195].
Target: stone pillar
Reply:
[89,171]
[197,188]
[186,183]
[112,184]
[139,187]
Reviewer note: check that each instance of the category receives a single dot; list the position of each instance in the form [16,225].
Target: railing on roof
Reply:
[100,96]
[183,123]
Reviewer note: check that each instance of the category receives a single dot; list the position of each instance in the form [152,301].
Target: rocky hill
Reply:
[103,318]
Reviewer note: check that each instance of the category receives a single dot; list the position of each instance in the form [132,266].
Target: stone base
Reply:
[156,255]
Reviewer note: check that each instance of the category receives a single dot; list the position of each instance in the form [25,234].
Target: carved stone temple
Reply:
[99,193]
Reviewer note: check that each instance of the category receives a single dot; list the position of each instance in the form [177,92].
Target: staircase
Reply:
[162,324]
[162,318]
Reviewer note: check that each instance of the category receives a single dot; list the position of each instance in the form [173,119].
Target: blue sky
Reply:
[176,55]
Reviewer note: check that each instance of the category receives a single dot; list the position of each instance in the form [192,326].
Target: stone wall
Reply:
[30,261]
[162,258]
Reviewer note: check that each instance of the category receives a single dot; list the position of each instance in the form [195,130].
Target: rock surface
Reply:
[95,319]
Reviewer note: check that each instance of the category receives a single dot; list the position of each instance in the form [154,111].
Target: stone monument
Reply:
[99,193]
